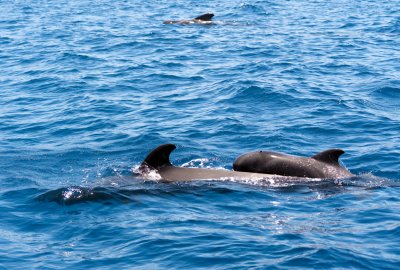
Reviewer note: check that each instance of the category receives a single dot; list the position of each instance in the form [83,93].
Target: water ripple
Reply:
[88,88]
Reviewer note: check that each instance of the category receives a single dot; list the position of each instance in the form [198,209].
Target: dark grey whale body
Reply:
[158,160]
[203,19]
[322,165]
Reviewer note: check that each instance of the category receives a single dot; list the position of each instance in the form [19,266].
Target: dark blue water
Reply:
[88,88]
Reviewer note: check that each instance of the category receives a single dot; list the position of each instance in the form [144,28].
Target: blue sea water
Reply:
[88,88]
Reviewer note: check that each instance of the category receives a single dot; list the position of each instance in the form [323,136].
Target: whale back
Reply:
[322,165]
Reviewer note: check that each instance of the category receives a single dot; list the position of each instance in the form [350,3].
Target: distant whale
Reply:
[158,160]
[203,19]
[322,165]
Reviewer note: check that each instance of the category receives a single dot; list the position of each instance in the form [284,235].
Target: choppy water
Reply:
[88,88]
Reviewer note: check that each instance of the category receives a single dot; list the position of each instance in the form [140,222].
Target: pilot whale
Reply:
[159,160]
[202,19]
[322,165]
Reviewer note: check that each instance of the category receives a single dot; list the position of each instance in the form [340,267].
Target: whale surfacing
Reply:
[259,165]
[322,165]
[202,19]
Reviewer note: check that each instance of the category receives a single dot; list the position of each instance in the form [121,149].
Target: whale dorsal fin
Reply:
[330,156]
[159,157]
[205,17]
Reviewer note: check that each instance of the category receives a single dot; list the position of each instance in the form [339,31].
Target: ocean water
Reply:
[88,88]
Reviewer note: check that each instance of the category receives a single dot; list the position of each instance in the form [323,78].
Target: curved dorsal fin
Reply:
[329,156]
[159,157]
[205,17]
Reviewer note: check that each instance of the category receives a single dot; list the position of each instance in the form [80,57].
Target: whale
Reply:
[202,19]
[322,165]
[158,160]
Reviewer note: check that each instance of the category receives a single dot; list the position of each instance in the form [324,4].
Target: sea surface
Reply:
[89,88]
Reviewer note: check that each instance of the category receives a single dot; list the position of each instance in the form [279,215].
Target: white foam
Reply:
[147,173]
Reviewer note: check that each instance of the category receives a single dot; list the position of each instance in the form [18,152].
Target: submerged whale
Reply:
[322,165]
[202,19]
[159,160]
